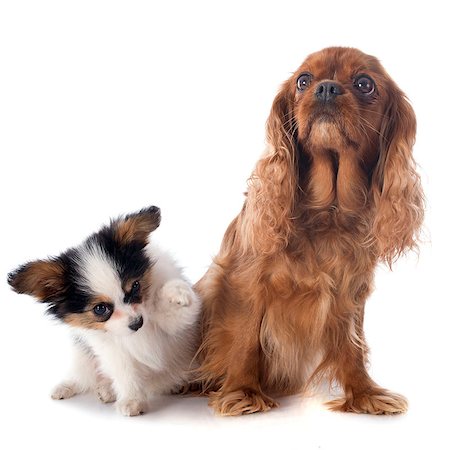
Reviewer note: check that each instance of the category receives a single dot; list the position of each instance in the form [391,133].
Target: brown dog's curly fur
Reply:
[335,193]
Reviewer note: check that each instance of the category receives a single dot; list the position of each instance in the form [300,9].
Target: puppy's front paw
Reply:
[105,392]
[131,407]
[64,390]
[177,294]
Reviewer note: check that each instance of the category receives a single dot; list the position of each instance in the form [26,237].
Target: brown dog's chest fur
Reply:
[296,298]
[319,290]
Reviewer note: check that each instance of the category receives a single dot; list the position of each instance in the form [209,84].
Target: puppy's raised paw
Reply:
[64,390]
[131,407]
[178,306]
[177,293]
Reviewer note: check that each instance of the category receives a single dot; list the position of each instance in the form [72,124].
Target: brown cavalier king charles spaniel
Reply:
[335,193]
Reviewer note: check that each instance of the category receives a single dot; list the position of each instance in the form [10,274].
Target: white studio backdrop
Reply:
[110,106]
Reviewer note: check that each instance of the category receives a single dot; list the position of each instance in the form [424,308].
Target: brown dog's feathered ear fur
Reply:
[396,188]
[43,279]
[273,184]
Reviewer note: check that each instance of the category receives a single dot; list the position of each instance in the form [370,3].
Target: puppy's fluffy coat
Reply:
[132,313]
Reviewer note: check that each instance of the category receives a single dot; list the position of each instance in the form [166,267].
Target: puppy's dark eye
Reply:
[303,81]
[135,288]
[102,309]
[134,294]
[365,84]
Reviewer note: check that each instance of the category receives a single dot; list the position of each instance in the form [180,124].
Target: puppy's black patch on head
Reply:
[60,282]
[129,257]
[124,241]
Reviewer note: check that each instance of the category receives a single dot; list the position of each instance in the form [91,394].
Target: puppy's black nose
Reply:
[327,91]
[136,324]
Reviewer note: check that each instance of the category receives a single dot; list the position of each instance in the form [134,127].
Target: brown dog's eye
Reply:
[303,81]
[365,84]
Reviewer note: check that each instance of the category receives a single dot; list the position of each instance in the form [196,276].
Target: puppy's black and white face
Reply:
[101,284]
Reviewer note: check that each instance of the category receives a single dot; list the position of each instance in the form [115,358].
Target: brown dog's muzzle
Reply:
[327,91]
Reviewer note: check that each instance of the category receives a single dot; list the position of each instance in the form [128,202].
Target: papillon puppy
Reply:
[134,317]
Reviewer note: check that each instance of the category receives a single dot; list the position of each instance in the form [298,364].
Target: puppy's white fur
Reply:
[128,366]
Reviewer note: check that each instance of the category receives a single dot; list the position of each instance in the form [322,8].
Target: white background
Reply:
[106,107]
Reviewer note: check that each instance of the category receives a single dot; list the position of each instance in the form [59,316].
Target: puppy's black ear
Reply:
[43,279]
[137,226]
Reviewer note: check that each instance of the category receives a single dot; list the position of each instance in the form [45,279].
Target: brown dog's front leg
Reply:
[362,394]
[241,391]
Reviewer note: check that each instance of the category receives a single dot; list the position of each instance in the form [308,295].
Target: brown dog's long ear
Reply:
[398,197]
[281,125]
[43,279]
[137,226]
[273,184]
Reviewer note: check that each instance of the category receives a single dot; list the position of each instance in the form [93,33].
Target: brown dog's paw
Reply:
[378,402]
[240,402]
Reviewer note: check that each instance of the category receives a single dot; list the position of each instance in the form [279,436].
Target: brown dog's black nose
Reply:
[327,91]
[136,324]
